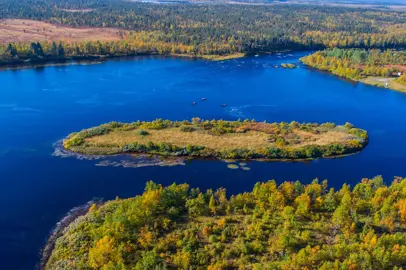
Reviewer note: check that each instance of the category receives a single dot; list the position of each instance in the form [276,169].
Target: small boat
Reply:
[194,103]
[223,105]
[204,99]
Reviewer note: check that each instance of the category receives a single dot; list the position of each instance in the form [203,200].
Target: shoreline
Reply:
[381,84]
[186,157]
[366,81]
[99,59]
[57,231]
[95,59]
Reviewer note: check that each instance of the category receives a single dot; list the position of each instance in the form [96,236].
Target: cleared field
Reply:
[389,83]
[16,30]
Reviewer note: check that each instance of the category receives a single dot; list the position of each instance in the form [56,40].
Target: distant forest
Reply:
[197,29]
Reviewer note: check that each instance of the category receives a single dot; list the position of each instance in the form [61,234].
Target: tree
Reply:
[302,205]
[212,205]
[54,49]
[36,50]
[330,202]
[103,252]
[61,50]
[342,216]
[11,50]
[149,260]
[401,206]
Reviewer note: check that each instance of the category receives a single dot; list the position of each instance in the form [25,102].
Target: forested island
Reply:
[385,68]
[220,139]
[45,30]
[286,226]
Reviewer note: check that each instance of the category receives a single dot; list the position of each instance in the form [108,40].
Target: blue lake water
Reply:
[40,106]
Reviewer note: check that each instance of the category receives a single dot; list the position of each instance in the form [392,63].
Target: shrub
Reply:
[402,79]
[185,128]
[74,141]
[313,151]
[142,132]
[280,142]
[348,125]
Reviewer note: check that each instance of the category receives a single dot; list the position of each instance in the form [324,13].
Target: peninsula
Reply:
[382,68]
[220,139]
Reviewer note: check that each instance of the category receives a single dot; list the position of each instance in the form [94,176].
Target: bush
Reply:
[348,125]
[185,128]
[313,151]
[142,132]
[74,141]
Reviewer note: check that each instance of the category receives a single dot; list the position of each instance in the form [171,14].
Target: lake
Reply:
[39,106]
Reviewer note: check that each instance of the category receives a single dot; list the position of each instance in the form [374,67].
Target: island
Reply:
[382,68]
[285,226]
[220,139]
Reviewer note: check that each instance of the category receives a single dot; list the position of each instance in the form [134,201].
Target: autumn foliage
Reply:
[286,226]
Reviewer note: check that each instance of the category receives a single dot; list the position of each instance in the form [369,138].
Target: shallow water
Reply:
[40,106]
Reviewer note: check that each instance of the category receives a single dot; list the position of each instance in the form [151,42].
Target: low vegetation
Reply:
[288,65]
[286,226]
[377,67]
[220,139]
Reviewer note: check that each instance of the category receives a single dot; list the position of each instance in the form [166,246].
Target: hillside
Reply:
[286,226]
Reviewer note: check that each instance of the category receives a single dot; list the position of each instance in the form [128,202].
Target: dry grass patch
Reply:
[249,140]
[16,30]
[324,138]
[389,83]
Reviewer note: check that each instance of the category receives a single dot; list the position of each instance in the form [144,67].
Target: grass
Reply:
[18,30]
[249,140]
[213,57]
[223,57]
[381,82]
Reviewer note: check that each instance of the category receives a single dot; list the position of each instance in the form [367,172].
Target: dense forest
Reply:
[196,29]
[286,226]
[359,63]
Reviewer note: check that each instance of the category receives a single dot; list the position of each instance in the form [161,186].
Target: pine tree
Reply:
[54,49]
[61,50]
[212,205]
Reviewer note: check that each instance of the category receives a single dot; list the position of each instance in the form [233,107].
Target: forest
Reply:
[360,63]
[220,139]
[201,30]
[285,226]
